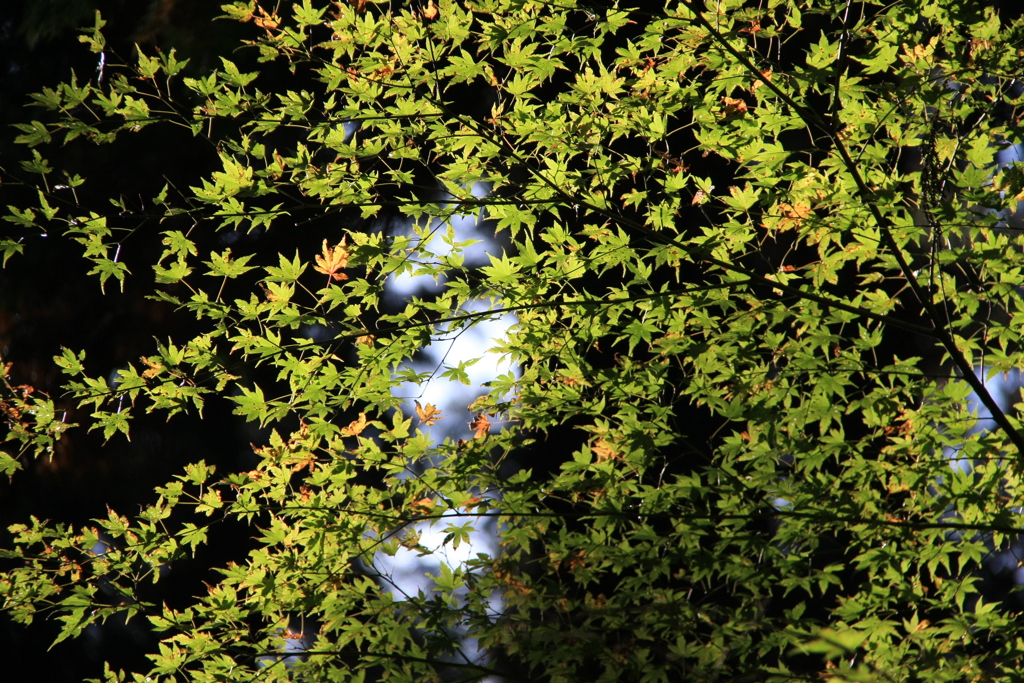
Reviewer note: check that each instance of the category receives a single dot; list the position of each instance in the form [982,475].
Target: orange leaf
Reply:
[766,74]
[480,425]
[734,106]
[355,427]
[332,260]
[793,214]
[301,460]
[429,414]
[422,506]
[267,22]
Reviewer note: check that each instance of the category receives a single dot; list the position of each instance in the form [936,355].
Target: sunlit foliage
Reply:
[760,254]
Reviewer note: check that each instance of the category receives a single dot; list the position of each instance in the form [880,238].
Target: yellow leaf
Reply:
[266,21]
[355,427]
[332,260]
[603,450]
[793,214]
[155,368]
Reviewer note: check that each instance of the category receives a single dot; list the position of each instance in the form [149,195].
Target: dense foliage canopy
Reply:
[760,254]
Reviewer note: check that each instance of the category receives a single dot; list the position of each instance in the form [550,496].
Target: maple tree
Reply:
[761,257]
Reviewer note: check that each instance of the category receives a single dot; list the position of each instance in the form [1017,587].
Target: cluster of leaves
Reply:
[758,252]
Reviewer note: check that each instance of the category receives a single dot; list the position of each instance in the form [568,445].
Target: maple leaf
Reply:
[411,539]
[423,506]
[700,197]
[266,21]
[480,425]
[429,414]
[301,460]
[793,214]
[355,427]
[154,368]
[603,450]
[332,260]
[1011,181]
[766,74]
[734,107]
[281,165]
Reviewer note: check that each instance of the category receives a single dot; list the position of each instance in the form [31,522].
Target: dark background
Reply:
[46,302]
